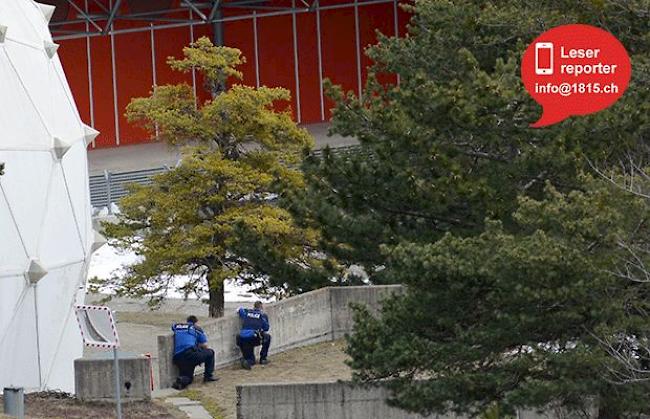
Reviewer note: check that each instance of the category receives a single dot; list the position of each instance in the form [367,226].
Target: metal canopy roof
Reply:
[82,18]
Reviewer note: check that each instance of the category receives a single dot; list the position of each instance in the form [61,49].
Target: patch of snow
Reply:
[108,261]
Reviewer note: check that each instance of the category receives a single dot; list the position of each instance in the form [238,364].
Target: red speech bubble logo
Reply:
[574,70]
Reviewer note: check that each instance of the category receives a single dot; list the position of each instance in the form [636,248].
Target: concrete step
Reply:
[192,408]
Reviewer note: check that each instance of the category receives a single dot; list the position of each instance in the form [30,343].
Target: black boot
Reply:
[245,364]
[179,384]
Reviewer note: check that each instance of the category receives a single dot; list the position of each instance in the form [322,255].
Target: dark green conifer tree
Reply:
[509,251]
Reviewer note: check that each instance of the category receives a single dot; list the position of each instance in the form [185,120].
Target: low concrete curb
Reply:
[192,408]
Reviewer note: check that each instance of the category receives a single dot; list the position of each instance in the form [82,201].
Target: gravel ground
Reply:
[320,362]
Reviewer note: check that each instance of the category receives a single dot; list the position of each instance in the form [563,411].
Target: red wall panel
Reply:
[75,64]
[310,105]
[202,93]
[276,60]
[403,18]
[373,18]
[275,44]
[170,42]
[239,34]
[102,74]
[339,50]
[134,79]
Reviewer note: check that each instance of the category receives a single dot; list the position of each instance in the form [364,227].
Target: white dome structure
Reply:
[46,235]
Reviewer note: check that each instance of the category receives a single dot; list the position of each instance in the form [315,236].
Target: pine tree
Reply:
[527,320]
[214,217]
[508,250]
[450,145]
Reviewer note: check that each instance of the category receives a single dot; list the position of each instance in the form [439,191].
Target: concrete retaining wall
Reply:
[313,317]
[342,297]
[315,401]
[339,400]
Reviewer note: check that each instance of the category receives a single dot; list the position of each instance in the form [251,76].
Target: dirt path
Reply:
[320,362]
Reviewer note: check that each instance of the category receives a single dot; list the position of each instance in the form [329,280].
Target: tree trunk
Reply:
[216,303]
[608,410]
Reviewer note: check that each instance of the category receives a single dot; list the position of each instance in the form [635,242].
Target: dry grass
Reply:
[320,362]
[60,406]
[208,404]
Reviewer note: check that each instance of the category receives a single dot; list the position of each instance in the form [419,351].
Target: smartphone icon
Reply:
[544,58]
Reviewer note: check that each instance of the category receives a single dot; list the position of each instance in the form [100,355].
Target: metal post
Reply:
[14,401]
[396,29]
[116,108]
[118,398]
[217,37]
[319,49]
[107,177]
[196,101]
[90,74]
[358,48]
[154,74]
[296,70]
[217,27]
[256,51]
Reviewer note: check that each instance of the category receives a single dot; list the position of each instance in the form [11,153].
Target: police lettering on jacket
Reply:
[253,320]
[186,336]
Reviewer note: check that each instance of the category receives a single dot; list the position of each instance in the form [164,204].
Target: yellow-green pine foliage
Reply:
[215,216]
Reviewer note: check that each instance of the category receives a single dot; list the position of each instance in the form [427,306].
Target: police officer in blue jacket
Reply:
[191,349]
[254,332]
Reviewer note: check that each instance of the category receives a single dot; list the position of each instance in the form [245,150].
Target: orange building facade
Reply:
[113,51]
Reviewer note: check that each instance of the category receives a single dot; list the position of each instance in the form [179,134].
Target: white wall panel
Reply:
[45,219]
[27,172]
[21,124]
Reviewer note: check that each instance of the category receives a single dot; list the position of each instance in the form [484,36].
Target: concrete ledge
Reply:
[326,400]
[316,316]
[95,380]
[315,401]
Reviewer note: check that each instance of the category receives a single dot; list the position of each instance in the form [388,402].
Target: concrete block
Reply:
[196,412]
[182,401]
[95,380]
[167,371]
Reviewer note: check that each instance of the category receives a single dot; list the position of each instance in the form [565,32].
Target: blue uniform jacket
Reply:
[186,336]
[252,321]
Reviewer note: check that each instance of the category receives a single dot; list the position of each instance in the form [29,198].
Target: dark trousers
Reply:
[189,359]
[248,345]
